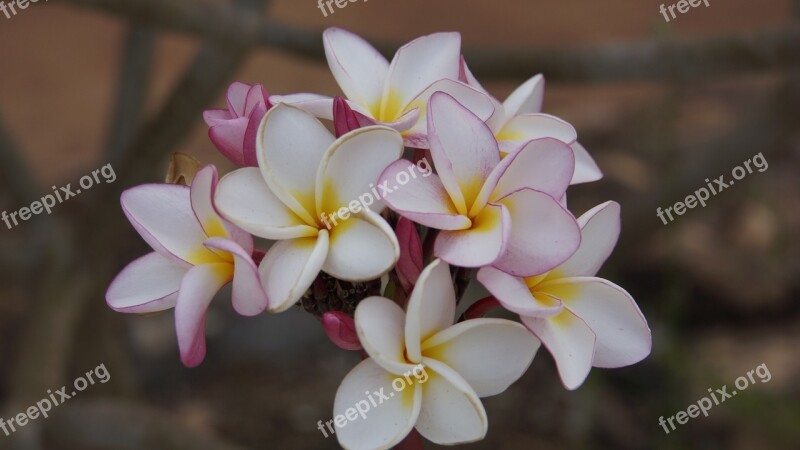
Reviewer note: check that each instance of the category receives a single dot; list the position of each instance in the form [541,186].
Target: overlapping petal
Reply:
[380,326]
[289,268]
[600,228]
[148,284]
[431,307]
[515,295]
[359,69]
[361,248]
[480,245]
[249,298]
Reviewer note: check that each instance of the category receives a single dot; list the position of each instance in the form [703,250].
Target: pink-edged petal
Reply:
[249,298]
[214,117]
[543,234]
[379,323]
[359,69]
[290,267]
[600,228]
[204,185]
[199,286]
[451,411]
[571,342]
[257,98]
[237,97]
[383,426]
[405,122]
[545,165]
[351,167]
[477,102]
[423,199]
[480,245]
[361,248]
[291,144]
[431,307]
[318,105]
[341,330]
[527,98]
[163,216]
[586,170]
[472,348]
[409,265]
[514,294]
[623,337]
[521,129]
[148,284]
[229,138]
[463,148]
[465,76]
[245,199]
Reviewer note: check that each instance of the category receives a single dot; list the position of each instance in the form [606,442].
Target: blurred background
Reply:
[661,107]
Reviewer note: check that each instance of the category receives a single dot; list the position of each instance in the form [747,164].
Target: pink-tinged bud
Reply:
[409,266]
[341,329]
[344,119]
[233,130]
[482,307]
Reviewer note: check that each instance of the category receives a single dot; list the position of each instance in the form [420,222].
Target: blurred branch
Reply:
[643,60]
[131,94]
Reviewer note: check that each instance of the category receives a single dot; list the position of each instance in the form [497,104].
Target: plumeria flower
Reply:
[233,130]
[492,212]
[196,254]
[305,194]
[519,119]
[463,362]
[394,94]
[583,320]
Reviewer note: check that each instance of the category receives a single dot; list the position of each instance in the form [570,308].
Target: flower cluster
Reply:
[388,278]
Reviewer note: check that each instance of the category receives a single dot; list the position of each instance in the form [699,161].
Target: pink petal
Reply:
[249,298]
[148,284]
[237,97]
[543,234]
[198,288]
[257,97]
[341,330]
[409,265]
[344,119]
[359,69]
[422,199]
[600,228]
[229,138]
[463,148]
[213,117]
[480,245]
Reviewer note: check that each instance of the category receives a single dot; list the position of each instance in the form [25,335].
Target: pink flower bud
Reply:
[233,130]
[341,329]
[344,119]
[409,266]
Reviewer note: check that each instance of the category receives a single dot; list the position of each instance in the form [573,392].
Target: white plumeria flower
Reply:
[519,119]
[583,320]
[303,172]
[466,361]
[491,211]
[395,94]
[196,254]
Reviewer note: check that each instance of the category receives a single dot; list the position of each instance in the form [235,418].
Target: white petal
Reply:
[490,354]
[571,342]
[527,127]
[479,246]
[361,248]
[244,198]
[249,298]
[204,186]
[382,426]
[320,106]
[431,307]
[451,411]
[146,285]
[623,337]
[290,145]
[527,98]
[352,165]
[289,268]
[476,101]
[514,294]
[600,227]
[586,170]
[380,325]
[359,69]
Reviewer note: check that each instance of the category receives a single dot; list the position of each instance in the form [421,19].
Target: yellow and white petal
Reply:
[527,98]
[244,198]
[600,228]
[480,245]
[290,267]
[351,167]
[490,354]
[515,295]
[527,127]
[451,411]
[385,422]
[380,325]
[359,69]
[623,337]
[289,146]
[431,307]
[362,248]
[571,342]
